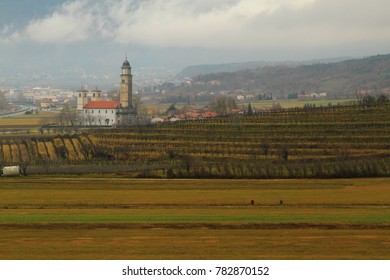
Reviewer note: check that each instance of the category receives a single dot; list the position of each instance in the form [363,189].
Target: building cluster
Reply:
[184,114]
[43,98]
[312,95]
[93,110]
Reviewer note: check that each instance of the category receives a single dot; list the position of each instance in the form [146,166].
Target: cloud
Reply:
[218,24]
[207,24]
[328,23]
[8,35]
[72,22]
[158,23]
[248,24]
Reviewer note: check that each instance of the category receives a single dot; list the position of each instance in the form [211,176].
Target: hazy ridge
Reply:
[371,74]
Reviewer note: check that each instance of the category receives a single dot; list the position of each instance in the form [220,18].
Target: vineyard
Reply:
[327,142]
[45,150]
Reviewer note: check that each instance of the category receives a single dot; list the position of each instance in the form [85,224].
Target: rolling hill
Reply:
[345,78]
[196,70]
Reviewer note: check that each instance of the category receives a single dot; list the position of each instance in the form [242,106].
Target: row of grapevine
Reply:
[47,149]
[336,141]
[347,134]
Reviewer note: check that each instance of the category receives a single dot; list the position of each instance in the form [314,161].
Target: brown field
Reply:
[119,218]
[188,243]
[28,121]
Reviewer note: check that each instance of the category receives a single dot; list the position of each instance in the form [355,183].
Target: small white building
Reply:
[100,113]
[157,120]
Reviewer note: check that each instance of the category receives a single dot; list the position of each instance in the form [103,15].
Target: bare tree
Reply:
[223,105]
[139,106]
[3,102]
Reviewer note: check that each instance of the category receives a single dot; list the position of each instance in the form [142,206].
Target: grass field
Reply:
[119,218]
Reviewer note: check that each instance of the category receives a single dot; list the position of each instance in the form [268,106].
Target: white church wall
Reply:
[100,117]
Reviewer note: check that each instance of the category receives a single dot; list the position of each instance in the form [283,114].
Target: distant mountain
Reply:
[371,74]
[196,70]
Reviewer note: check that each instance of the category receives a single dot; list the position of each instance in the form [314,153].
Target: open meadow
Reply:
[119,218]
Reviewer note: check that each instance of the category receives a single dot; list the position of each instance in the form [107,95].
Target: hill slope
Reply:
[196,70]
[371,74]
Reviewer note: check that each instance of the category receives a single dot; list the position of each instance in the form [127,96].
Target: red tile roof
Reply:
[209,114]
[193,115]
[46,100]
[102,105]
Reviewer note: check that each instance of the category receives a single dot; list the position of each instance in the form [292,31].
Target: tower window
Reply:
[123,81]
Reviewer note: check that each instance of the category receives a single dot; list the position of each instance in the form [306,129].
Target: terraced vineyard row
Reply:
[321,142]
[44,149]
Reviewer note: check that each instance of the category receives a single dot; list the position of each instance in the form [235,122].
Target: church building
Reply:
[92,110]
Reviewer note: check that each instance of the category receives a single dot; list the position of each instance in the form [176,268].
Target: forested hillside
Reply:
[196,70]
[341,79]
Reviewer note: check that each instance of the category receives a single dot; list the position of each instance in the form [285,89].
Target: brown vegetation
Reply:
[328,142]
[117,218]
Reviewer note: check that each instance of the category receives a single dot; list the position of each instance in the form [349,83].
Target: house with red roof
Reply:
[209,114]
[101,113]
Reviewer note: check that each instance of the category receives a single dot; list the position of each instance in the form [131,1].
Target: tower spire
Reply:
[126,90]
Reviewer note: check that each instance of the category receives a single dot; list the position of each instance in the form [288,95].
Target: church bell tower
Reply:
[126,86]
[82,99]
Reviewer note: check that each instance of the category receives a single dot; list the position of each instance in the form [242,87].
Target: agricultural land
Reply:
[325,142]
[119,218]
[299,183]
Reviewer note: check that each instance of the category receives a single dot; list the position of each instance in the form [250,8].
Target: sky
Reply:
[86,35]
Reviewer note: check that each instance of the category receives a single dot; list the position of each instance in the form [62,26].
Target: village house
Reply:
[187,113]
[46,103]
[311,96]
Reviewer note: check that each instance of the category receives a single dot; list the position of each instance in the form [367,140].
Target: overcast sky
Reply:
[39,35]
